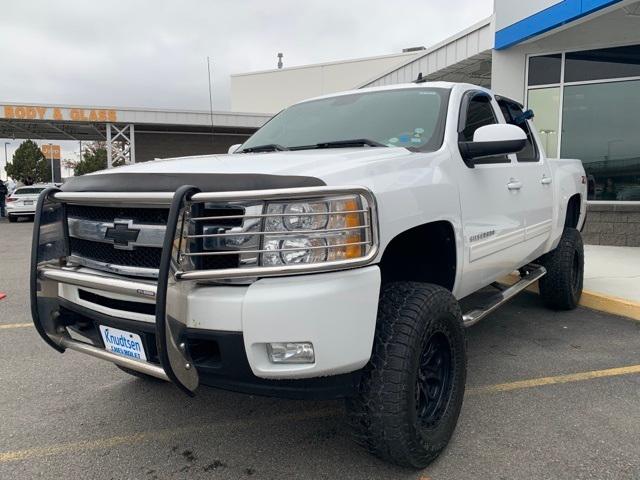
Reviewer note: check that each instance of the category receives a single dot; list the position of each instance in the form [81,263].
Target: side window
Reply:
[478,113]
[513,115]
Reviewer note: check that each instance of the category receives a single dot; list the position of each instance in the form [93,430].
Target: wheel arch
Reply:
[572,213]
[424,253]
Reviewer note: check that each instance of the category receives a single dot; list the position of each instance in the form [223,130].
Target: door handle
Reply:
[546,180]
[514,184]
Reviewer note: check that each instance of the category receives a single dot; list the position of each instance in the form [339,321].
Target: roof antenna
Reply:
[280,60]
[420,78]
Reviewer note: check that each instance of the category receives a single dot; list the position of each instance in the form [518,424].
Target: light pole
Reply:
[53,178]
[6,161]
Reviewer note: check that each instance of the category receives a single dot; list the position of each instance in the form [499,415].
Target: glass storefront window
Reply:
[605,63]
[601,127]
[545,103]
[600,121]
[545,69]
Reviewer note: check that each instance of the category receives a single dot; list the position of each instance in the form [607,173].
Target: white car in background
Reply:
[22,202]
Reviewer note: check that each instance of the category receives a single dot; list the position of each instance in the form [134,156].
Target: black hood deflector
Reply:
[170,182]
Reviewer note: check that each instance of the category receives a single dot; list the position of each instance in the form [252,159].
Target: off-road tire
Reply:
[384,413]
[135,373]
[561,287]
[12,218]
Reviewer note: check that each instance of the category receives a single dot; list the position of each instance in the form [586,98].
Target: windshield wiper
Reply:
[358,142]
[269,147]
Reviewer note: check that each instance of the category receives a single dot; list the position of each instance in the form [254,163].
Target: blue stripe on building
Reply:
[553,17]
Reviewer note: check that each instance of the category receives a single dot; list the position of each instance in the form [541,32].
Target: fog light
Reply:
[291,352]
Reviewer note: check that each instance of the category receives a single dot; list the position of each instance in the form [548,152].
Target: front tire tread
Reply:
[380,414]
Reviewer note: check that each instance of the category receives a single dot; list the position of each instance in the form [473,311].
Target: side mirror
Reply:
[233,148]
[490,140]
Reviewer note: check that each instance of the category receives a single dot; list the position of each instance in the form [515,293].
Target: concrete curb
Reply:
[595,301]
[609,304]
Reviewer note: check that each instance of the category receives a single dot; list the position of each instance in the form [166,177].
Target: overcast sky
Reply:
[152,53]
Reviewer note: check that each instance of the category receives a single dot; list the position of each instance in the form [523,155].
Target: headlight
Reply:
[248,236]
[314,232]
[296,219]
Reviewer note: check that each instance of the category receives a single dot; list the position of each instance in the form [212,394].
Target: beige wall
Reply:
[271,91]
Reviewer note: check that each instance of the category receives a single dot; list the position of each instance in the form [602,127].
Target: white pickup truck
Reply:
[323,258]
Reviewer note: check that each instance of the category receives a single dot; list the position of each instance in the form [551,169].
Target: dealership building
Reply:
[576,63]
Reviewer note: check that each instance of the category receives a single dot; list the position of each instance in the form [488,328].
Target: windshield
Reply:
[28,191]
[412,118]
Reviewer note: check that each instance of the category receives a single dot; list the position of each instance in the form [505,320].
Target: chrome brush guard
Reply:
[52,266]
[49,269]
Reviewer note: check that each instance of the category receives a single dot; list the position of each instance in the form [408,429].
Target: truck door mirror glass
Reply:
[233,148]
[490,140]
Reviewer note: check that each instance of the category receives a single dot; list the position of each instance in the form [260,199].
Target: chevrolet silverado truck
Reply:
[326,257]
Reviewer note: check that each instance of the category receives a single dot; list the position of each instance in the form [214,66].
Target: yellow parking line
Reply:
[68,447]
[15,325]
[539,382]
[155,435]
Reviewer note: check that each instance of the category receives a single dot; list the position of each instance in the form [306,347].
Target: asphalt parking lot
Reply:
[550,396]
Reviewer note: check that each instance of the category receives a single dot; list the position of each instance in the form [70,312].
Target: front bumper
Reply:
[219,357]
[335,311]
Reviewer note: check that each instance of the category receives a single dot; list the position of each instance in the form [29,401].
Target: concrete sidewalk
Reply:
[612,280]
[613,271]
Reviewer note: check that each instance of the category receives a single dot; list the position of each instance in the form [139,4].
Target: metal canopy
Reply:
[465,57]
[80,123]
[44,130]
[118,126]
[476,70]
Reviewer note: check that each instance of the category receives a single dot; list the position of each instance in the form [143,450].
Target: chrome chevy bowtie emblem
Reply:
[122,235]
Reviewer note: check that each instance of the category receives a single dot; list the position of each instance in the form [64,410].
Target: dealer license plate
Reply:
[123,343]
[28,202]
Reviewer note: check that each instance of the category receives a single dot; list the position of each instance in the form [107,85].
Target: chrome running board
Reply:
[533,273]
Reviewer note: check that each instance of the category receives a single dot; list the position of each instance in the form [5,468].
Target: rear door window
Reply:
[514,115]
[28,191]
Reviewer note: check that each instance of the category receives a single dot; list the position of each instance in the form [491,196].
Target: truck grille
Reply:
[141,257]
[128,241]
[153,216]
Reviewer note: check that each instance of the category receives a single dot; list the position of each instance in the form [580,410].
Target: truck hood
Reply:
[242,171]
[305,162]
